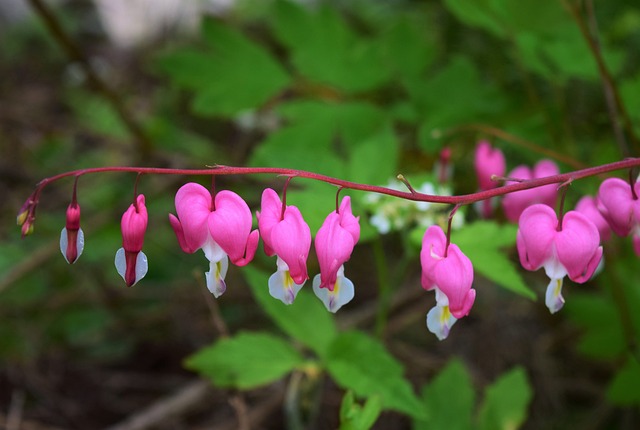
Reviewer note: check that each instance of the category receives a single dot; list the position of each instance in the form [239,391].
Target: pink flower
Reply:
[620,206]
[72,237]
[572,248]
[131,262]
[334,244]
[286,234]
[220,226]
[488,162]
[450,273]
[515,203]
[588,206]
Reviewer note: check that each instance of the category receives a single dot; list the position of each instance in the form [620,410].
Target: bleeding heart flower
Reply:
[334,244]
[450,273]
[515,203]
[220,226]
[488,162]
[130,261]
[285,234]
[567,247]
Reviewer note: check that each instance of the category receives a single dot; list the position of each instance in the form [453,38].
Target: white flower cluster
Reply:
[393,214]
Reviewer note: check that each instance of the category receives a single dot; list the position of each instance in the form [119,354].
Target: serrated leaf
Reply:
[623,389]
[247,360]
[324,49]
[236,75]
[306,320]
[358,362]
[449,400]
[482,241]
[506,401]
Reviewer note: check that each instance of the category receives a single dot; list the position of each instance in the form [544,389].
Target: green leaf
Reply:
[603,336]
[356,417]
[358,362]
[623,389]
[467,96]
[306,320]
[449,400]
[375,160]
[324,49]
[407,48]
[482,241]
[238,75]
[245,361]
[506,402]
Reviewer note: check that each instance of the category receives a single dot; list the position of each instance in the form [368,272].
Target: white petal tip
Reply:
[343,292]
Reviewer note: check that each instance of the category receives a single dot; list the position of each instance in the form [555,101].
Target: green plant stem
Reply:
[617,110]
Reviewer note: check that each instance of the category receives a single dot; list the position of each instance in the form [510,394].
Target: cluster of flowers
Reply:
[571,243]
[220,224]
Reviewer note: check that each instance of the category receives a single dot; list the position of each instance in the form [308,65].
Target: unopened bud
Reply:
[72,237]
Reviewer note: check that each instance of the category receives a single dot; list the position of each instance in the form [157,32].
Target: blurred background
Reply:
[357,89]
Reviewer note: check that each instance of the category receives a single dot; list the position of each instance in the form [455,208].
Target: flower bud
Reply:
[130,261]
[72,237]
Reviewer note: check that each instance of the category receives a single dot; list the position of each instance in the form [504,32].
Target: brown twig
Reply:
[617,110]
[74,53]
[519,141]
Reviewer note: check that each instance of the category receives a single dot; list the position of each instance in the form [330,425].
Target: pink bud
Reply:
[130,261]
[72,237]
[285,234]
[335,242]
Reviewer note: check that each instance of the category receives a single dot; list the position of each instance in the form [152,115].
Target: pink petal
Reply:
[488,161]
[177,228]
[268,217]
[348,221]
[536,232]
[433,243]
[578,246]
[193,206]
[454,275]
[515,203]
[616,197]
[230,227]
[588,206]
[334,245]
[291,240]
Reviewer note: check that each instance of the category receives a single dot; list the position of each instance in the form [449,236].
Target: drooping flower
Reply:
[130,261]
[515,203]
[72,236]
[450,273]
[567,247]
[620,206]
[488,162]
[285,234]
[220,225]
[334,244]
